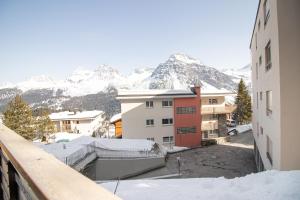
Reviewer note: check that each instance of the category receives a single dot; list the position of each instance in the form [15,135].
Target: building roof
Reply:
[67,115]
[116,117]
[137,94]
[154,93]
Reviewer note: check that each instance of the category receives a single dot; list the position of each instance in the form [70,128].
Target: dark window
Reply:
[151,139]
[266,11]
[167,103]
[167,121]
[168,139]
[213,101]
[186,110]
[149,104]
[150,122]
[260,60]
[77,122]
[185,130]
[268,56]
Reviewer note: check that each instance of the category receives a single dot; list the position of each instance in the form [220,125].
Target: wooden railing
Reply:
[28,172]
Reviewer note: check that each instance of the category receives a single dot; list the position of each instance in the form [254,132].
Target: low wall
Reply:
[112,169]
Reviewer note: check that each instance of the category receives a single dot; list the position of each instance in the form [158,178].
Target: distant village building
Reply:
[78,122]
[160,115]
[275,51]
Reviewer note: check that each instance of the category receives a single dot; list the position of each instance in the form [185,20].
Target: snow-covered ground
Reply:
[268,185]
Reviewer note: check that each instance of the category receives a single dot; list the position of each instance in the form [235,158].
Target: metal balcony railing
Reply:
[29,173]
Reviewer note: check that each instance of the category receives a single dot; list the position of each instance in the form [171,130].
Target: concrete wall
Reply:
[135,114]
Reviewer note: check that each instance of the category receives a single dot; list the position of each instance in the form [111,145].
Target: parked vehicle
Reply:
[230,123]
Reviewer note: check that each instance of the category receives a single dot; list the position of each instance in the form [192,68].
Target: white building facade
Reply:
[275,50]
[78,122]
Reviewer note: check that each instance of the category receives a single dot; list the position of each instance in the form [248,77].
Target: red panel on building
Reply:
[187,120]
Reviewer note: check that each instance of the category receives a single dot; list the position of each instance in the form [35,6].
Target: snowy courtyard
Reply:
[268,185]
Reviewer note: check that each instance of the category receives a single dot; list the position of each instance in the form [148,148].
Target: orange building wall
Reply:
[188,120]
[118,128]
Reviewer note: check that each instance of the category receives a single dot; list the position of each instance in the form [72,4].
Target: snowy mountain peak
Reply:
[183,58]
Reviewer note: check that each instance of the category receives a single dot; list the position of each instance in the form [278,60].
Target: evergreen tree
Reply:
[44,126]
[243,112]
[18,117]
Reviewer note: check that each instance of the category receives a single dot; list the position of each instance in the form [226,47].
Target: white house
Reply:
[78,122]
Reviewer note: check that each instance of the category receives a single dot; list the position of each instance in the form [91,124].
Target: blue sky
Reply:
[55,37]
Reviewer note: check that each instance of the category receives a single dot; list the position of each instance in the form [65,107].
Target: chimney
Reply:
[196,89]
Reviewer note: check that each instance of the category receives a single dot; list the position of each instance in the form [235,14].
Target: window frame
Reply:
[169,121]
[266,12]
[149,124]
[169,103]
[149,104]
[269,102]
[186,110]
[268,56]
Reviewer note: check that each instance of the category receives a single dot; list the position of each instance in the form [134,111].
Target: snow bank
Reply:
[269,185]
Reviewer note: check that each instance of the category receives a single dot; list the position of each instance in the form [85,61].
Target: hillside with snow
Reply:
[179,71]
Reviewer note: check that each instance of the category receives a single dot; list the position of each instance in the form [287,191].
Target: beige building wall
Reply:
[289,60]
[282,30]
[135,114]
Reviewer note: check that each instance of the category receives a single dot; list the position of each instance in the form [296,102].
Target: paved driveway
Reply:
[233,159]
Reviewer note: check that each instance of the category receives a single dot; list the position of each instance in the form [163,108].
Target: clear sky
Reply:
[54,37]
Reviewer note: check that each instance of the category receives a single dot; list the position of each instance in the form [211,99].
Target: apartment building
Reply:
[275,50]
[215,111]
[169,117]
[78,122]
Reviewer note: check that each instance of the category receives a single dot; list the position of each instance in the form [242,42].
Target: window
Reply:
[261,130]
[185,130]
[186,110]
[257,129]
[258,25]
[266,11]
[256,100]
[213,101]
[255,40]
[269,102]
[167,121]
[269,150]
[77,122]
[256,71]
[268,56]
[168,139]
[260,60]
[150,122]
[261,95]
[167,103]
[151,139]
[149,104]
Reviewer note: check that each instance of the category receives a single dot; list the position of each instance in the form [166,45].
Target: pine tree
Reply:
[243,112]
[44,126]
[18,117]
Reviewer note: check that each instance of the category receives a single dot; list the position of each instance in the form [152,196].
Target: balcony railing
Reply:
[217,109]
[28,172]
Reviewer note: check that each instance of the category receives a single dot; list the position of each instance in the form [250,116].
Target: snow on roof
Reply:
[154,92]
[116,117]
[64,149]
[76,115]
[268,185]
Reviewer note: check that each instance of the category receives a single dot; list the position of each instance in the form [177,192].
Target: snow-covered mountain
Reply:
[179,71]
[240,73]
